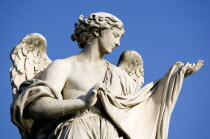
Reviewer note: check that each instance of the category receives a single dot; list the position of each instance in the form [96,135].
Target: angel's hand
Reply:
[92,95]
[193,68]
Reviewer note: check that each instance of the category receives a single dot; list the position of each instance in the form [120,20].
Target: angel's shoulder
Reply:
[117,69]
[58,64]
[63,64]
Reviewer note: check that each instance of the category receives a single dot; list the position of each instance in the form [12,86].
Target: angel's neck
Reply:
[91,53]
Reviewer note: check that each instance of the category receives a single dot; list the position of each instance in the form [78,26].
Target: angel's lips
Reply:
[113,47]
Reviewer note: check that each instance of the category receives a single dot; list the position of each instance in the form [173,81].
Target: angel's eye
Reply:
[116,35]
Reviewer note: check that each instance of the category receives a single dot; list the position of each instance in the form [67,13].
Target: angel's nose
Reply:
[117,42]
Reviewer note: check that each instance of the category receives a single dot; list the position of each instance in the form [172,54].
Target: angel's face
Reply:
[109,39]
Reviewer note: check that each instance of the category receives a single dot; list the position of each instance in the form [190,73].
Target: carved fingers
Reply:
[199,64]
[193,68]
[92,95]
[99,87]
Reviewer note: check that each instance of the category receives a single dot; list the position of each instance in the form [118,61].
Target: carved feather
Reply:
[29,60]
[132,63]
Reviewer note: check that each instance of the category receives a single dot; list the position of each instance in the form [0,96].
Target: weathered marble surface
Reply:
[84,96]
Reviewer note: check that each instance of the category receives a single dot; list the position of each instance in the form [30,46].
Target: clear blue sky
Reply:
[162,31]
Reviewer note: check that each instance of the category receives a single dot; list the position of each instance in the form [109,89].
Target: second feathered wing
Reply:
[132,63]
[29,60]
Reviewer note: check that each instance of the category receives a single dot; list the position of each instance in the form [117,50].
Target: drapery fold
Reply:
[140,113]
[145,113]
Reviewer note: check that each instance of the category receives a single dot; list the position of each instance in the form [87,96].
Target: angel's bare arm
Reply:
[48,108]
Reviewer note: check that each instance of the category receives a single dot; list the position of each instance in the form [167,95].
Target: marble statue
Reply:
[85,96]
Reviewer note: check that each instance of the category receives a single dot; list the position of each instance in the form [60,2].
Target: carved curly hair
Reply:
[95,22]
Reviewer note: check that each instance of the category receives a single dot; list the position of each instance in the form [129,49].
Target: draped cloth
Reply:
[140,113]
[31,91]
[145,113]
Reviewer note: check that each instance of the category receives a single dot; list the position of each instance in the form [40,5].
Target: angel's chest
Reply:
[83,77]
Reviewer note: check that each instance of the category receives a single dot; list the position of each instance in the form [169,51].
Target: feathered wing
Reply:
[132,63]
[29,60]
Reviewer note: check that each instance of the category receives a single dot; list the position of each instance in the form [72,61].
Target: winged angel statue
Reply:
[86,97]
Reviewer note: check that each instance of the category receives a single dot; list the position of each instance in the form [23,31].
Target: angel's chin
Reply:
[108,51]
